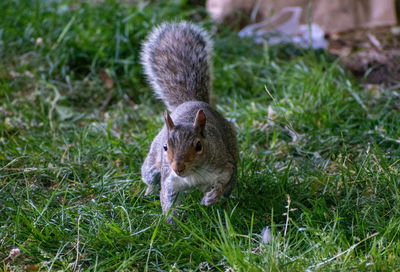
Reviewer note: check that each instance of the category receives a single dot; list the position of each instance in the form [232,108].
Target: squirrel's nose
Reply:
[179,168]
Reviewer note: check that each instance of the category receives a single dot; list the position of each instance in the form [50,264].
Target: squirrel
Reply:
[197,147]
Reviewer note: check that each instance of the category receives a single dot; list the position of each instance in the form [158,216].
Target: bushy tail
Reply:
[176,58]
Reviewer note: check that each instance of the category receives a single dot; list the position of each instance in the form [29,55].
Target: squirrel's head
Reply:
[185,144]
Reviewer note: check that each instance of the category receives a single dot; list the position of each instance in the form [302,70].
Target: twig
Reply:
[266,89]
[245,236]
[343,252]
[28,169]
[53,106]
[389,138]
[54,102]
[65,152]
[77,246]
[374,41]
[8,164]
[287,215]
[129,100]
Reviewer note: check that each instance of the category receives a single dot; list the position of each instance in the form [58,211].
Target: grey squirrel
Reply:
[197,147]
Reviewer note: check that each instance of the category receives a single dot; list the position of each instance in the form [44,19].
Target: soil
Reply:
[372,55]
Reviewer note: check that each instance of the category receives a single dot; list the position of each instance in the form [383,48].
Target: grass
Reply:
[319,152]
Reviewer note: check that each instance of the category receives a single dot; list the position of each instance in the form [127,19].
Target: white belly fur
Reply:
[201,179]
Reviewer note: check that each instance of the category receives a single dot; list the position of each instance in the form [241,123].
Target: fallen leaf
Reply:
[106,79]
[31,267]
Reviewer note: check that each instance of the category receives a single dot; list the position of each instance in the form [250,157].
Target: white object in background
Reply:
[290,30]
[266,235]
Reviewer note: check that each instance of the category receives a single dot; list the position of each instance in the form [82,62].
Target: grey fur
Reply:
[176,59]
[179,75]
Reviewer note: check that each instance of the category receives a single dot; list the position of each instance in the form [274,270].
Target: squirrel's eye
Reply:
[199,147]
[165,147]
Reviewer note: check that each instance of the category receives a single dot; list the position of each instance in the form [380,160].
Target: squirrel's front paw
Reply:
[211,197]
[149,190]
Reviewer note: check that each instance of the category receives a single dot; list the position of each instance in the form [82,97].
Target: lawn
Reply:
[319,152]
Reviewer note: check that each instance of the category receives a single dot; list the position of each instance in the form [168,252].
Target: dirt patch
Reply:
[372,55]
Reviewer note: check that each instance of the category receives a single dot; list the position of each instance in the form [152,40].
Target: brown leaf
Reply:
[31,267]
[106,79]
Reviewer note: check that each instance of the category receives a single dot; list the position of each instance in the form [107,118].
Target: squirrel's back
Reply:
[176,58]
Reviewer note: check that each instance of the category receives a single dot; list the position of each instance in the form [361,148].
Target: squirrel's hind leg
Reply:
[151,168]
[231,184]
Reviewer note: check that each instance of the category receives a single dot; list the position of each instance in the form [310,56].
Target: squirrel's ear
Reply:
[168,120]
[200,121]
